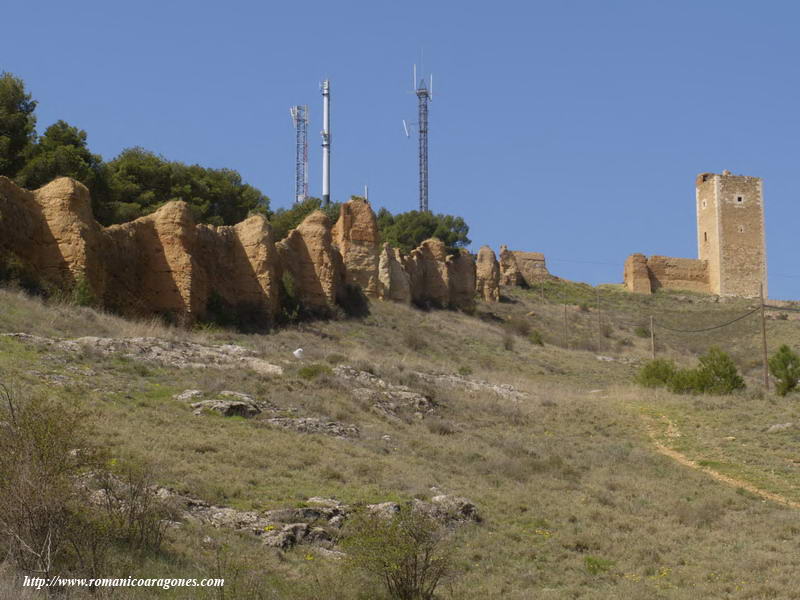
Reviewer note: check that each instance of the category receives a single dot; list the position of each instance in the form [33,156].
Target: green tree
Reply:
[62,152]
[141,181]
[785,367]
[408,230]
[284,220]
[17,124]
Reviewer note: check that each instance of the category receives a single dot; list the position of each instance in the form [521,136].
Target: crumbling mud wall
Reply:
[165,263]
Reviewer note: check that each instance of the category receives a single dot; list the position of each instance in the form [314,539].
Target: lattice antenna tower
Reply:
[300,118]
[424,92]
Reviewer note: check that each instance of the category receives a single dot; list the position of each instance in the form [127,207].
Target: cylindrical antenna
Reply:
[326,142]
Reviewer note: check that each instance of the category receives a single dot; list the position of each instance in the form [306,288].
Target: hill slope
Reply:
[551,443]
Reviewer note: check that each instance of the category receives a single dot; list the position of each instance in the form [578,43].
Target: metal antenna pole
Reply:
[300,119]
[424,97]
[326,142]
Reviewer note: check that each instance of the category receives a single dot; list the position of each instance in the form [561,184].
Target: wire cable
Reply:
[755,310]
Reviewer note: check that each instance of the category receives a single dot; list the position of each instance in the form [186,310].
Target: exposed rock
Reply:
[488,275]
[315,425]
[187,395]
[179,354]
[449,509]
[503,390]
[385,509]
[315,266]
[394,282]
[779,427]
[356,236]
[386,399]
[461,280]
[227,408]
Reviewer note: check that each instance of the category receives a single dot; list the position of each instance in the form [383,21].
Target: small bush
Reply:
[408,553]
[335,358]
[583,307]
[414,340]
[656,373]
[464,370]
[536,338]
[82,293]
[353,301]
[519,325]
[642,331]
[596,565]
[440,426]
[313,371]
[508,340]
[785,367]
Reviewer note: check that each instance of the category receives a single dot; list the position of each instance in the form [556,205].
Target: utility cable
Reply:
[755,310]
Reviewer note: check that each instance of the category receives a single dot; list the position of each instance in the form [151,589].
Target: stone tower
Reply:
[730,233]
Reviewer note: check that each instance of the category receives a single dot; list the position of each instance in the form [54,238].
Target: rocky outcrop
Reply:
[394,282]
[356,236]
[487,275]
[315,266]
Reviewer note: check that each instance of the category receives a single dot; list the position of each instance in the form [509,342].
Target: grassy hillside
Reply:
[577,500]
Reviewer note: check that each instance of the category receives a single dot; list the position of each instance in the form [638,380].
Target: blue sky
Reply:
[573,128]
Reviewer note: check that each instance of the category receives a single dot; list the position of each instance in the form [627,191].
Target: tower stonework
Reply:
[730,233]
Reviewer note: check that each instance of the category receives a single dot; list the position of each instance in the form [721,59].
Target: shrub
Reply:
[642,331]
[596,565]
[519,325]
[313,371]
[465,370]
[82,293]
[353,301]
[407,553]
[718,373]
[656,373]
[414,340]
[536,338]
[508,340]
[336,358]
[785,367]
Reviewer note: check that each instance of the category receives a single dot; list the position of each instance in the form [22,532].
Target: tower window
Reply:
[705,203]
[741,228]
[705,236]
[739,198]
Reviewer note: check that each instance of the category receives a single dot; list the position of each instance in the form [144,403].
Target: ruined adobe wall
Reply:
[730,243]
[165,263]
[678,273]
[646,275]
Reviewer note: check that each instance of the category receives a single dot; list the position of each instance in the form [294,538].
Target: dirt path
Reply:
[673,432]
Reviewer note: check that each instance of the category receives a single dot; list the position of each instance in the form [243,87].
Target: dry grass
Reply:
[577,503]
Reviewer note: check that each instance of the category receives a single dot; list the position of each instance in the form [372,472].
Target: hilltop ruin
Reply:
[730,244]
